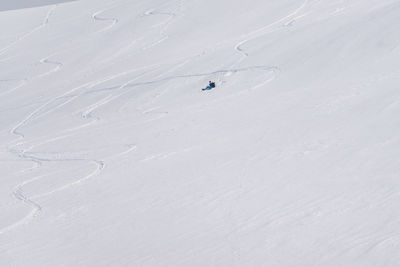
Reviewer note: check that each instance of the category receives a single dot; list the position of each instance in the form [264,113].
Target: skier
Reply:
[210,86]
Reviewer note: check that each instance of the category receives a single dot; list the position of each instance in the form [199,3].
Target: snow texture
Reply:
[112,155]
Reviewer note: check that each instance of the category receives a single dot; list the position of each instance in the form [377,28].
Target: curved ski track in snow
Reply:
[100,164]
[58,66]
[24,81]
[96,17]
[258,33]
[206,74]
[163,26]
[31,201]
[265,30]
[67,94]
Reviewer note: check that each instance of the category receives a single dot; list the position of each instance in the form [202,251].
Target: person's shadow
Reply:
[19,4]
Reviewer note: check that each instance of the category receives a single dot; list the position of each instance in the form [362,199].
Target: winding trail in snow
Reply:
[18,192]
[58,65]
[24,81]
[163,25]
[19,195]
[30,156]
[266,30]
[205,74]
[287,20]
[97,17]
[31,201]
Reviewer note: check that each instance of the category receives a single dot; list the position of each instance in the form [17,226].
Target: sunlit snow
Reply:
[112,155]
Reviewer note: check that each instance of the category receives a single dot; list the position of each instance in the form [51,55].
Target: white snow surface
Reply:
[111,155]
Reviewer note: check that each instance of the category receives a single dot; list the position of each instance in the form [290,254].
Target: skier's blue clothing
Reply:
[210,86]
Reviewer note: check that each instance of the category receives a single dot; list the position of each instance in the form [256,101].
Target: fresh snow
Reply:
[111,155]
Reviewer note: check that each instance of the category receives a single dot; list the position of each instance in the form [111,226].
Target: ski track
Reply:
[7,58]
[290,18]
[22,83]
[157,77]
[130,84]
[96,17]
[24,36]
[168,154]
[264,31]
[163,26]
[58,66]
[268,69]
[100,164]
[238,48]
[87,113]
[30,116]
[31,201]
[206,74]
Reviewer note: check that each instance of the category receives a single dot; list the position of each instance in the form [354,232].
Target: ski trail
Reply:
[18,191]
[19,195]
[22,83]
[91,84]
[58,66]
[87,112]
[72,95]
[157,77]
[15,129]
[267,69]
[223,71]
[100,164]
[168,154]
[24,36]
[271,71]
[163,26]
[45,22]
[7,58]
[263,31]
[34,114]
[96,17]
[259,33]
[36,208]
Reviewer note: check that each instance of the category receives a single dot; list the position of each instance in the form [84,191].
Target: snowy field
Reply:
[112,155]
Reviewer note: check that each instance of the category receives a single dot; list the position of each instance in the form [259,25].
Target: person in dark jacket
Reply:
[210,86]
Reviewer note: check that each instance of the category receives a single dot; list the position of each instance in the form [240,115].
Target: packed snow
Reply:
[112,155]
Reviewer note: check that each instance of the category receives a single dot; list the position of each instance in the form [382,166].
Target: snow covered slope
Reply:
[111,155]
